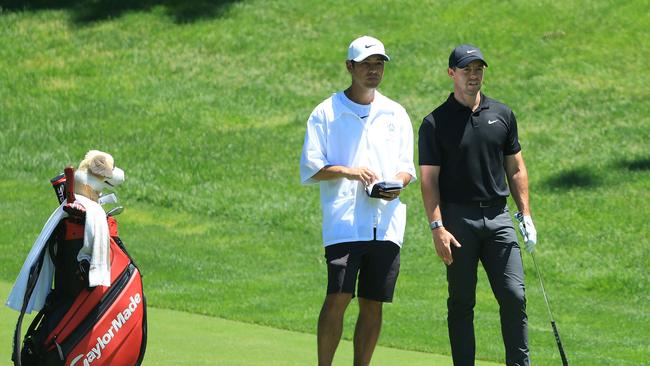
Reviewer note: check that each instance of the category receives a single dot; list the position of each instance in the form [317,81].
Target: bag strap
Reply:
[34,273]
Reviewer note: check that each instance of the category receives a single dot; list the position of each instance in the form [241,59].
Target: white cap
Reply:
[363,47]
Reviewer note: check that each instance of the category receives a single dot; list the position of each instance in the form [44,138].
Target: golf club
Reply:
[69,184]
[115,211]
[107,198]
[548,306]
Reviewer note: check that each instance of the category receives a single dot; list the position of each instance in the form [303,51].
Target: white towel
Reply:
[44,282]
[96,243]
[95,249]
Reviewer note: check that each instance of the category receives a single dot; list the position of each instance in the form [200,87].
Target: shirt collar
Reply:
[483,104]
[340,107]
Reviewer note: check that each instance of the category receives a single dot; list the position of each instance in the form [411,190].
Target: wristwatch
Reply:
[435,224]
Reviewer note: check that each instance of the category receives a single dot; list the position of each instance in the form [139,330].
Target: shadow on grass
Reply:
[637,165]
[89,11]
[585,177]
[575,178]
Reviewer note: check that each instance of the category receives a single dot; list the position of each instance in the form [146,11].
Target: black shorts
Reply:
[375,262]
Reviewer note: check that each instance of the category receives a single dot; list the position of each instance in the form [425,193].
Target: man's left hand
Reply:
[389,196]
[527,230]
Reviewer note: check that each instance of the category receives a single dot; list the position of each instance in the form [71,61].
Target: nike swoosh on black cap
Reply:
[462,55]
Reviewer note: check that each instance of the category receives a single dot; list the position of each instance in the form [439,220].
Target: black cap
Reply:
[462,55]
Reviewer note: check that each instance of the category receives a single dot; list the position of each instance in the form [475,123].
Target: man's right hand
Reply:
[362,174]
[443,240]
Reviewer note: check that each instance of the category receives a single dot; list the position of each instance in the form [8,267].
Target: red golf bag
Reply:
[81,325]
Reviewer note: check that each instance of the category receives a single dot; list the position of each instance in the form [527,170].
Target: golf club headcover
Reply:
[527,230]
[98,171]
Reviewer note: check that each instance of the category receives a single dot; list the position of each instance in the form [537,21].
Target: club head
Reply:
[115,211]
[107,198]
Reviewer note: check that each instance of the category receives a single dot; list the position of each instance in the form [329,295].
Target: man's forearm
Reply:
[518,181]
[430,191]
[431,200]
[519,190]
[331,172]
[361,174]
[404,177]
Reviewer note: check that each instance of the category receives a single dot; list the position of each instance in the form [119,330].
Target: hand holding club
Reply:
[527,230]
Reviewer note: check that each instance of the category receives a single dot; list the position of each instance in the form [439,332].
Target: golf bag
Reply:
[81,325]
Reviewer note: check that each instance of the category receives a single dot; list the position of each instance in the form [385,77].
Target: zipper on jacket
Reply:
[375,223]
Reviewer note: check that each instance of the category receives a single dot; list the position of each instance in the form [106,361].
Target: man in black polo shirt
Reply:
[468,147]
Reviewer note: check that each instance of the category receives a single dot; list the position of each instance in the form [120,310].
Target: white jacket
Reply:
[382,142]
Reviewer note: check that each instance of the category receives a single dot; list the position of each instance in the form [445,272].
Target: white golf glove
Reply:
[527,230]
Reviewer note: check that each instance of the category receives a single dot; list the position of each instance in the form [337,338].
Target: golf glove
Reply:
[527,230]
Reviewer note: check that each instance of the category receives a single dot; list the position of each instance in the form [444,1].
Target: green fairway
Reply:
[179,338]
[204,105]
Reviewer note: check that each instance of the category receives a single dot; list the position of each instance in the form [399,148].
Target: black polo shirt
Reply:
[470,148]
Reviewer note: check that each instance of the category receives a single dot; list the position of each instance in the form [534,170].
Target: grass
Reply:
[206,114]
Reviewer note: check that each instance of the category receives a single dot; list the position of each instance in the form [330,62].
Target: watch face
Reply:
[435,224]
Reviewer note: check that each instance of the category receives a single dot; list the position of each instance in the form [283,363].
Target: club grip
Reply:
[69,184]
[559,344]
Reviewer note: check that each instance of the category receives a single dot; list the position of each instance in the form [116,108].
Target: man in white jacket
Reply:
[355,139]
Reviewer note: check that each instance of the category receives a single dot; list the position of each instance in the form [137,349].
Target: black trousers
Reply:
[485,234]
